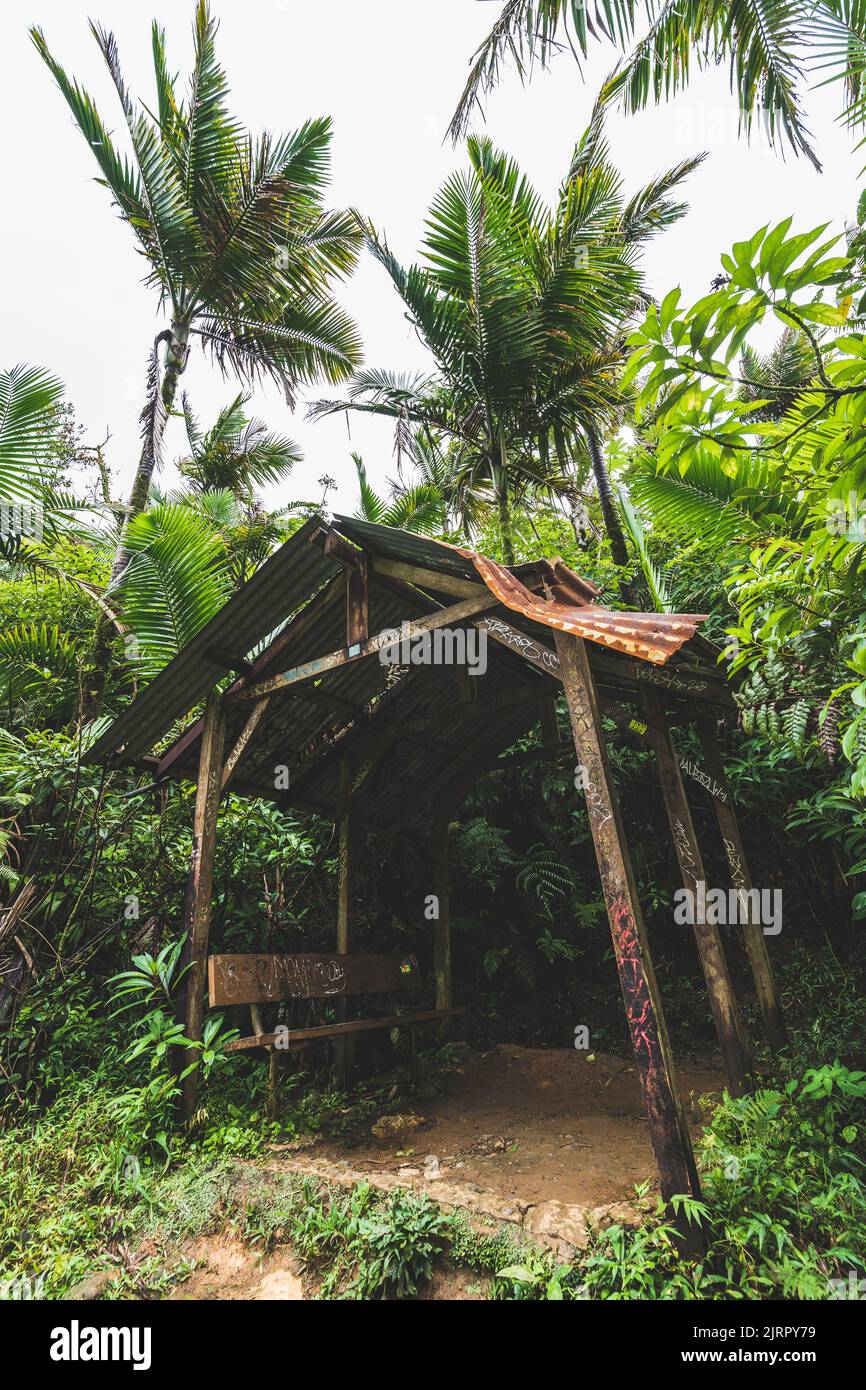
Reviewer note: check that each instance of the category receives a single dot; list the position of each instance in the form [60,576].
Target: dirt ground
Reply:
[537,1125]
[539,1138]
[227,1268]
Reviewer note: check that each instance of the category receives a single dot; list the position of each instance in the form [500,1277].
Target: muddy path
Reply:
[536,1125]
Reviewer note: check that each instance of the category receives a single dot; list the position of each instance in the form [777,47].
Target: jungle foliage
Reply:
[667,451]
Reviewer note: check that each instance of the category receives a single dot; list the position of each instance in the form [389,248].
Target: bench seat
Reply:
[299,1037]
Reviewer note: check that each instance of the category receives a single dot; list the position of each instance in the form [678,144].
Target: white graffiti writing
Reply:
[524,644]
[693,770]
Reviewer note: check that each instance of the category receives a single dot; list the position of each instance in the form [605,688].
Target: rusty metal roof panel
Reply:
[651,637]
[571,607]
[289,577]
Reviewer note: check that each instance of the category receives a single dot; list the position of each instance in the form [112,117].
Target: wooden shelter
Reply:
[314,720]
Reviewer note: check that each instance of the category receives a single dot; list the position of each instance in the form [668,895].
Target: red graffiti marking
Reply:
[638,1005]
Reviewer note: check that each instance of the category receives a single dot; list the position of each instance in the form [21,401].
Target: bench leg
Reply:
[273,1093]
[347,858]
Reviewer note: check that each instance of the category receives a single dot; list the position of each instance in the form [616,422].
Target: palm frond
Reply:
[655,580]
[209,150]
[172,239]
[176,579]
[153,415]
[307,339]
[761,39]
[371,507]
[39,662]
[527,31]
[836,34]
[706,501]
[29,397]
[652,209]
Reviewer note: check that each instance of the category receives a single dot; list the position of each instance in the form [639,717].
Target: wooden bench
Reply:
[257,980]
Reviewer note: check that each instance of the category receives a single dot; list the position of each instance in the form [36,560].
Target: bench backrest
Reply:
[261,979]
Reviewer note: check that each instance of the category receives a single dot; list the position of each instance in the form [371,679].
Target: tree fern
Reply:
[543,876]
[706,501]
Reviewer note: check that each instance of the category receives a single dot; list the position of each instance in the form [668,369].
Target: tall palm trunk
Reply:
[160,399]
[610,515]
[499,472]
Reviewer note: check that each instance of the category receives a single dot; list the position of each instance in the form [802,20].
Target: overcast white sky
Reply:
[389,73]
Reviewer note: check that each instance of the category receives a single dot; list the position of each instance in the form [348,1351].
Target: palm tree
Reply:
[523,309]
[416,507]
[239,246]
[771,47]
[236,453]
[790,363]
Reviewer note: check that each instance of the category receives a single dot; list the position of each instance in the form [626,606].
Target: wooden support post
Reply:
[357,603]
[549,723]
[199,891]
[272,1102]
[753,935]
[669,1133]
[729,1027]
[442,922]
[357,630]
[347,857]
[274,1057]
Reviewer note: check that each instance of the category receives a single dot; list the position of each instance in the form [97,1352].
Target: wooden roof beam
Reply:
[312,670]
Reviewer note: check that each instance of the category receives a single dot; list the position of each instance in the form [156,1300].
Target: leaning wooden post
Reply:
[357,629]
[753,933]
[199,893]
[729,1027]
[669,1133]
[442,920]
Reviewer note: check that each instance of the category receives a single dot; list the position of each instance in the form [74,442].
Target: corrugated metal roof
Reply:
[651,637]
[392,543]
[429,728]
[309,735]
[571,607]
[289,577]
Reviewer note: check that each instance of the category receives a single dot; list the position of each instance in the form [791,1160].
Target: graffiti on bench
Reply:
[258,979]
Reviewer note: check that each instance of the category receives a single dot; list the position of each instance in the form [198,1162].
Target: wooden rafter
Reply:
[311,670]
[243,740]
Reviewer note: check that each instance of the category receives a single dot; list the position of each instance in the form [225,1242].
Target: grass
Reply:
[94,1175]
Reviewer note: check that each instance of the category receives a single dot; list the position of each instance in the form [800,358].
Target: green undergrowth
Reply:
[97,1170]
